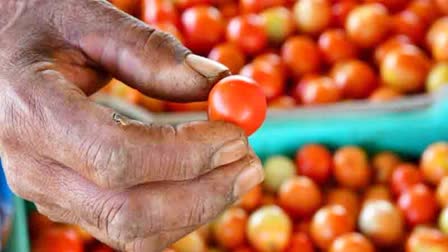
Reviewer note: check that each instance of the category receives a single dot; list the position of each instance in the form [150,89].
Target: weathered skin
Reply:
[136,187]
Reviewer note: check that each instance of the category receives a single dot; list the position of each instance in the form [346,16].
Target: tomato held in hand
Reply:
[128,6]
[336,46]
[58,239]
[248,33]
[315,162]
[203,27]
[229,55]
[418,204]
[404,177]
[229,229]
[238,100]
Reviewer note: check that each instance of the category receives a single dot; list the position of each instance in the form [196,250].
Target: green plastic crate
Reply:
[406,127]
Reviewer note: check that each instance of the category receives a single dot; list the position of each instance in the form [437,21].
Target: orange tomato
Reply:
[377,192]
[312,16]
[299,196]
[340,10]
[418,204]
[268,199]
[303,226]
[426,239]
[329,223]
[390,44]
[351,167]
[352,242]
[251,200]
[438,27]
[355,78]
[189,243]
[367,25]
[229,229]
[442,6]
[315,162]
[254,6]
[267,76]
[336,46]
[300,242]
[38,223]
[320,91]
[229,55]
[404,177]
[384,94]
[345,198]
[58,239]
[159,11]
[439,46]
[299,87]
[384,164]
[434,162]
[184,4]
[272,59]
[203,27]
[305,49]
[129,6]
[393,5]
[283,102]
[248,33]
[405,69]
[442,192]
[409,24]
[425,9]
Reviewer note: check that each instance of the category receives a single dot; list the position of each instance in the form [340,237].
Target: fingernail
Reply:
[229,153]
[210,69]
[248,179]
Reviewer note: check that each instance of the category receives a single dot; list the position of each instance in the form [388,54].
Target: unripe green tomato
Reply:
[277,169]
[437,77]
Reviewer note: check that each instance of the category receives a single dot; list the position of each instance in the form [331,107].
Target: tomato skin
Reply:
[190,242]
[434,162]
[392,5]
[312,16]
[340,11]
[251,200]
[159,11]
[238,100]
[299,196]
[384,164]
[335,46]
[203,27]
[267,76]
[442,6]
[388,45]
[283,102]
[38,223]
[300,242]
[384,94]
[442,192]
[184,4]
[377,192]
[304,48]
[409,24]
[418,204]
[247,32]
[128,6]
[352,242]
[345,198]
[426,239]
[404,177]
[230,228]
[254,6]
[279,24]
[320,91]
[229,55]
[58,239]
[437,77]
[425,9]
[315,162]
[351,167]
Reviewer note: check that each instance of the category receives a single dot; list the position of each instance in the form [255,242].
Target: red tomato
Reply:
[129,6]
[384,164]
[203,27]
[58,239]
[312,16]
[442,6]
[38,223]
[272,59]
[229,9]
[405,69]
[425,9]
[244,249]
[392,5]
[427,239]
[267,76]
[299,87]
[283,102]
[434,162]
[305,49]
[329,223]
[345,198]
[352,242]
[404,177]
[299,196]
[356,79]
[300,242]
[320,91]
[230,228]
[367,25]
[159,11]
[253,6]
[384,94]
[418,204]
[184,4]
[341,9]
[239,100]
[377,192]
[390,44]
[336,46]
[102,248]
[351,167]
[315,162]
[229,55]
[409,24]
[440,45]
[248,33]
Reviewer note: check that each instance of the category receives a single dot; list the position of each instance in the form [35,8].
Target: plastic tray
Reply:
[406,127]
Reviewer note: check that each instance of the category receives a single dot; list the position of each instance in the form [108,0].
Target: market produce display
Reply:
[382,202]
[307,52]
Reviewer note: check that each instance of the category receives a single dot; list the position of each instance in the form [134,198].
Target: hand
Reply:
[135,187]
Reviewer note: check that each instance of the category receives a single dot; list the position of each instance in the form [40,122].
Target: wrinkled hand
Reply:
[136,187]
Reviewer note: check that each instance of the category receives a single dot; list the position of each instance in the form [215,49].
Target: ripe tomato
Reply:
[345,198]
[405,69]
[184,4]
[283,102]
[186,107]
[437,28]
[434,162]
[299,87]
[303,226]
[442,192]
[189,243]
[229,229]
[277,169]
[443,221]
[437,77]
[381,222]
[239,100]
[404,177]
[38,223]
[269,229]
[351,167]
[438,47]
[203,27]
[129,6]
[159,11]
[384,164]
[272,59]
[418,204]
[300,242]
[254,6]
[384,94]
[336,46]
[268,77]
[390,44]
[305,49]
[244,249]
[229,55]
[392,5]
[251,200]
[315,162]
[426,239]
[442,6]
[340,10]
[248,33]
[229,9]
[377,192]
[320,91]
[105,248]
[409,24]
[171,29]
[299,196]
[367,25]
[329,223]
[425,9]
[352,242]
[355,78]
[58,239]
[268,200]
[312,16]
[279,24]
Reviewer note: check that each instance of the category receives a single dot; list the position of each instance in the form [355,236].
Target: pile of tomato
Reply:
[307,52]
